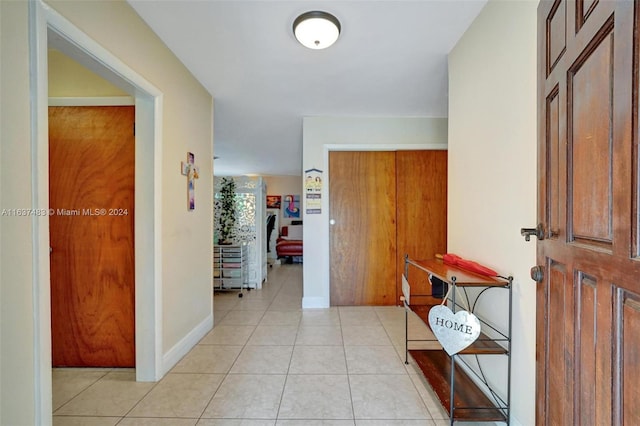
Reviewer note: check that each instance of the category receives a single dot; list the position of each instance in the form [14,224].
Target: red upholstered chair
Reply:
[287,247]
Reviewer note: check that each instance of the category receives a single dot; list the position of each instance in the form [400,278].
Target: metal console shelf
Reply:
[460,384]
[230,268]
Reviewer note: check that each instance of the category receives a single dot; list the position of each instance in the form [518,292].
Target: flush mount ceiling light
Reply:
[316,29]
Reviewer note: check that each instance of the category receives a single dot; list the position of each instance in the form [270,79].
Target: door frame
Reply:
[46,26]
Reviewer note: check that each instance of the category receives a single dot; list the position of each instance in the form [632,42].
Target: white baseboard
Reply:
[180,349]
[515,422]
[314,302]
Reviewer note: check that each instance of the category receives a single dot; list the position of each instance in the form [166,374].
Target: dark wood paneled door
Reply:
[91,196]
[362,238]
[588,303]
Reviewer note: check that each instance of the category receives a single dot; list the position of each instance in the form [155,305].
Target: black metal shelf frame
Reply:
[501,404]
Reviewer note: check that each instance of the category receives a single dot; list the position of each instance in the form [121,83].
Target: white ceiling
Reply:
[390,60]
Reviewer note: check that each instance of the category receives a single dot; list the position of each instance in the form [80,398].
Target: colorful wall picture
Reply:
[291,206]
[313,181]
[274,201]
[190,170]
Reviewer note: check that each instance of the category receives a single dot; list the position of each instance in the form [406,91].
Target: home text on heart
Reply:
[462,328]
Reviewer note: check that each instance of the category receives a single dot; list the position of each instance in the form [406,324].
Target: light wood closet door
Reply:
[384,205]
[362,202]
[421,178]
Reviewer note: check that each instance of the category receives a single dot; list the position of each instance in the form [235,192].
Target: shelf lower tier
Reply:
[471,404]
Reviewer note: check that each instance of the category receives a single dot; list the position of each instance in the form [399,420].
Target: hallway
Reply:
[267,362]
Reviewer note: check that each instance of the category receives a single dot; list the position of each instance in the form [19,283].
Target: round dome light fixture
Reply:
[316,29]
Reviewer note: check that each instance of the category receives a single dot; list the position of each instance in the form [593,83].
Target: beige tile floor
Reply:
[267,362]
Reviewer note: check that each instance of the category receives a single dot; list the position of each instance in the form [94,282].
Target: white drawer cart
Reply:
[230,268]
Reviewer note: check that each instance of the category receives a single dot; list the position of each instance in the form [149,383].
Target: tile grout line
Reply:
[406,371]
[78,394]
[225,374]
[286,378]
[228,373]
[346,363]
[234,307]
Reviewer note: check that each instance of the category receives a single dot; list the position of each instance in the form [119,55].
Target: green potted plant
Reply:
[227,219]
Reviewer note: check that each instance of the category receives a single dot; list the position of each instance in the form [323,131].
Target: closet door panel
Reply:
[362,206]
[421,178]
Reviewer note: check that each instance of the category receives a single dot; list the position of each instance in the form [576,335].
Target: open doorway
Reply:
[91,212]
[49,29]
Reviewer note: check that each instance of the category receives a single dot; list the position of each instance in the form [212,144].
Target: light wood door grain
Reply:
[91,163]
[362,202]
[421,178]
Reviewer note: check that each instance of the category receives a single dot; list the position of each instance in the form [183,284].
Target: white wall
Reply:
[492,168]
[322,134]
[188,126]
[17,325]
[187,250]
[67,78]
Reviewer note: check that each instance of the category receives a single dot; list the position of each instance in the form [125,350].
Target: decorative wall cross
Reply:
[190,170]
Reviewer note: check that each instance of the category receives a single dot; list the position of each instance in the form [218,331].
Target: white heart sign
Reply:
[454,331]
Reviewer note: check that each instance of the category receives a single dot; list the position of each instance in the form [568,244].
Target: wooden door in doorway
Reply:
[421,181]
[588,301]
[91,198]
[362,205]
